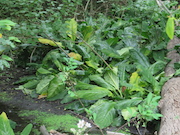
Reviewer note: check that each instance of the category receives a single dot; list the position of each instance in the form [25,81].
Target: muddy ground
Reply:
[19,99]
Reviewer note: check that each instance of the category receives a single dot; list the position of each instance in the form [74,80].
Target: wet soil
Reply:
[19,99]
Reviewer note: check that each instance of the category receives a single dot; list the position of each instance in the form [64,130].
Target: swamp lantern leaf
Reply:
[101,82]
[170,27]
[112,78]
[50,42]
[43,84]
[105,113]
[56,86]
[0,35]
[94,94]
[5,128]
[72,29]
[139,57]
[87,32]
[76,56]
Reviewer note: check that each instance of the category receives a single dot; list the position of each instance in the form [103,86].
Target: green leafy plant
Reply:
[146,111]
[6,45]
[5,128]
[112,68]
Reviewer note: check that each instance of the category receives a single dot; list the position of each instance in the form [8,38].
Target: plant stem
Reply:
[97,54]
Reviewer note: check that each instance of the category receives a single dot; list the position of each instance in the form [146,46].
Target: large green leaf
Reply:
[85,86]
[27,130]
[170,27]
[147,75]
[6,24]
[112,78]
[43,84]
[5,128]
[87,32]
[31,84]
[135,82]
[101,82]
[83,51]
[43,71]
[92,64]
[123,104]
[104,113]
[106,49]
[157,67]
[93,94]
[129,112]
[4,63]
[139,57]
[124,51]
[56,86]
[72,29]
[5,57]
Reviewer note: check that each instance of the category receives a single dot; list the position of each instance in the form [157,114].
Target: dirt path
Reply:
[21,101]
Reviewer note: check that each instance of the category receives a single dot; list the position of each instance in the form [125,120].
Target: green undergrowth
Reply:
[52,121]
[4,96]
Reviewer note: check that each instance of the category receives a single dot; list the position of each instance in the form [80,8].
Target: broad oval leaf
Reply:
[43,71]
[50,42]
[85,86]
[27,130]
[56,86]
[123,104]
[92,64]
[94,94]
[43,84]
[100,81]
[139,57]
[104,112]
[72,29]
[5,57]
[5,128]
[170,27]
[157,67]
[112,78]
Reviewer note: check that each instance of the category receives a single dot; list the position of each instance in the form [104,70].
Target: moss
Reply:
[52,121]
[4,97]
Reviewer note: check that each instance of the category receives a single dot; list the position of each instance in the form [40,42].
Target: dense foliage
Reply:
[110,61]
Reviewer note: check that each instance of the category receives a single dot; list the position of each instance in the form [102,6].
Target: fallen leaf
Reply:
[42,96]
[76,56]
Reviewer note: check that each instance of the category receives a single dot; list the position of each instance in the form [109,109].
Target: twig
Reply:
[161,5]
[32,54]
[86,5]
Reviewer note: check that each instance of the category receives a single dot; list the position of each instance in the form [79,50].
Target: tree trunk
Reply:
[170,102]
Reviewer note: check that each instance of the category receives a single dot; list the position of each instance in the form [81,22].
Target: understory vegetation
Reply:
[103,57]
